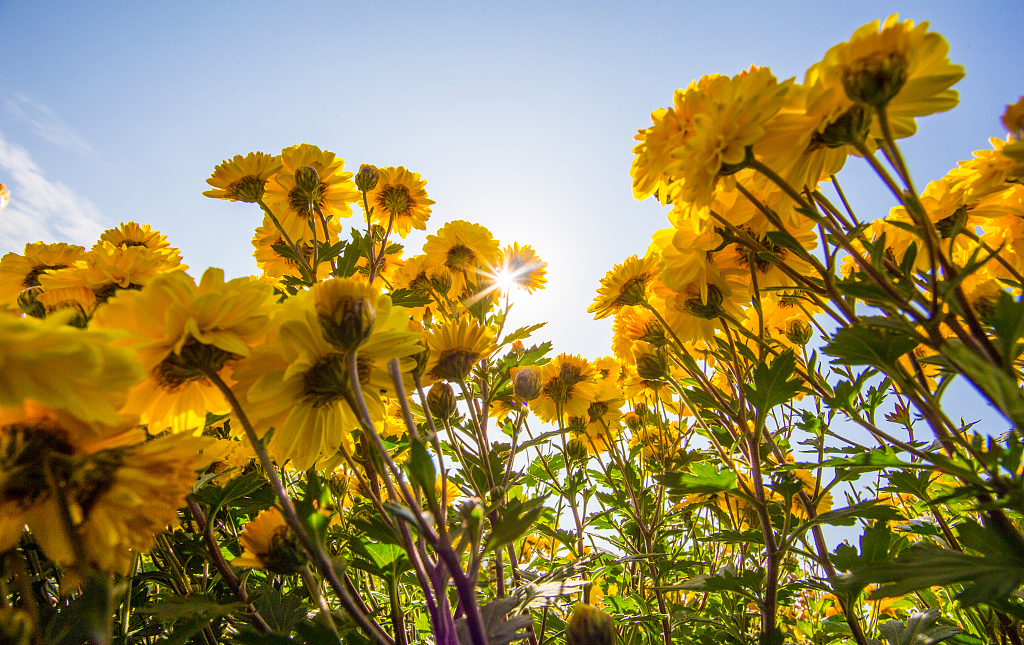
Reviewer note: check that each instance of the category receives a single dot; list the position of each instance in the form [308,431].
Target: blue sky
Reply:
[520,116]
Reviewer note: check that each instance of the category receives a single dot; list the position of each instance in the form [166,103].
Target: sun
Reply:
[504,280]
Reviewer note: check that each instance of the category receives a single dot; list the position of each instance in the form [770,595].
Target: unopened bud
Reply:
[441,399]
[652,365]
[589,626]
[28,301]
[799,332]
[366,178]
[526,384]
[346,308]
[576,449]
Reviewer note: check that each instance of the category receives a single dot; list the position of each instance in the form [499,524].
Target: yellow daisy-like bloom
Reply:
[20,272]
[66,368]
[243,178]
[896,65]
[633,324]
[400,194]
[463,248]
[292,200]
[694,318]
[132,234]
[297,381]
[625,285]
[5,196]
[781,313]
[456,346]
[145,492]
[519,266]
[277,266]
[183,331]
[81,299]
[268,543]
[345,308]
[655,442]
[452,492]
[654,166]
[730,119]
[107,269]
[686,254]
[568,385]
[603,419]
[121,490]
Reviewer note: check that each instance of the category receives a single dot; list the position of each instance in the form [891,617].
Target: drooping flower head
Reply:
[183,332]
[462,247]
[243,178]
[569,385]
[401,194]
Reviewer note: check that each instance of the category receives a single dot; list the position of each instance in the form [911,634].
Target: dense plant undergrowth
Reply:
[354,447]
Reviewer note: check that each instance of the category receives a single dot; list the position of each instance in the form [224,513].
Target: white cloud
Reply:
[47,124]
[41,209]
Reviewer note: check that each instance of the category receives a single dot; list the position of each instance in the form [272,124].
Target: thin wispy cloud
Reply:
[41,209]
[45,122]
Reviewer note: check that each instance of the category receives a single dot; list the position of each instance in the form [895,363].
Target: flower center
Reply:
[396,200]
[32,277]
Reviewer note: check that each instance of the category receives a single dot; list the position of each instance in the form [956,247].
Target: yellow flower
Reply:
[5,196]
[268,543]
[602,421]
[181,332]
[107,269]
[694,318]
[463,248]
[634,324]
[243,178]
[520,266]
[568,385]
[589,626]
[452,492]
[654,167]
[896,65]
[297,382]
[132,234]
[81,299]
[332,190]
[401,194]
[456,346]
[625,285]
[730,118]
[63,367]
[19,272]
[276,266]
[345,308]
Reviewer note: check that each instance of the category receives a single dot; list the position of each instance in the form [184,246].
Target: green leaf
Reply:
[421,469]
[862,345]
[920,629]
[409,298]
[704,479]
[513,520]
[999,388]
[177,607]
[772,385]
[348,260]
[242,487]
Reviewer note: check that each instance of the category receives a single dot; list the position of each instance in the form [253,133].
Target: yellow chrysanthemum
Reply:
[456,346]
[59,366]
[602,422]
[333,190]
[182,331]
[568,385]
[5,196]
[730,118]
[894,64]
[624,285]
[686,254]
[654,166]
[694,318]
[81,299]
[463,248]
[297,381]
[268,543]
[19,272]
[242,178]
[275,265]
[132,234]
[107,269]
[400,194]
[519,266]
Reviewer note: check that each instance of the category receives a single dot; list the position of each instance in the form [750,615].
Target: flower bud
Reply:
[442,282]
[441,399]
[576,449]
[799,332]
[651,363]
[28,302]
[308,188]
[589,626]
[526,384]
[1013,119]
[346,308]
[366,178]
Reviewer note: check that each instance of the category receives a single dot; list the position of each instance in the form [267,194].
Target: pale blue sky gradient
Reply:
[519,115]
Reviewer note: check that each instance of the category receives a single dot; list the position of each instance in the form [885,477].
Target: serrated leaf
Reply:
[861,345]
[513,520]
